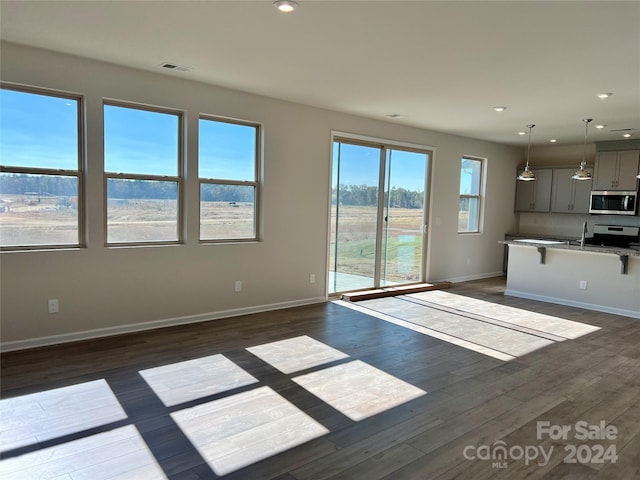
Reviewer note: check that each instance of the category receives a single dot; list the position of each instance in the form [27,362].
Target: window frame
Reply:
[178,179]
[256,183]
[479,196]
[79,173]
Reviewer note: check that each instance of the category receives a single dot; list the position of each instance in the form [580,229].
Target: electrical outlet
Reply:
[583,284]
[238,286]
[312,278]
[54,305]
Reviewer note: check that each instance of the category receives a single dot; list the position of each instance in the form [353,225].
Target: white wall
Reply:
[107,290]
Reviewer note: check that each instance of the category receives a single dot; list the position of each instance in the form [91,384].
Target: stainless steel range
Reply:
[615,236]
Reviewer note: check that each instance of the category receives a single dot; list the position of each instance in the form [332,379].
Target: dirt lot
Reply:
[27,220]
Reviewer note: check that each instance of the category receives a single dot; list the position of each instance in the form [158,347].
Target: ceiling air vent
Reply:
[621,130]
[176,68]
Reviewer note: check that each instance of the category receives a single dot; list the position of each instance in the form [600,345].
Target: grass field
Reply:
[356,230]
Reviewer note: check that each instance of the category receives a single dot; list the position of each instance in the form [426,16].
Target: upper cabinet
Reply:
[616,170]
[569,195]
[535,196]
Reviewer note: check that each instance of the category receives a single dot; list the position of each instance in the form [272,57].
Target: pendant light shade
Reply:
[582,173]
[527,174]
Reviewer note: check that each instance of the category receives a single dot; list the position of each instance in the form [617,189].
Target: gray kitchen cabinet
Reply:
[535,196]
[616,170]
[569,195]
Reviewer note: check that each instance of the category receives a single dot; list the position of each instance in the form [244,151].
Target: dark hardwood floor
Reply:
[351,395]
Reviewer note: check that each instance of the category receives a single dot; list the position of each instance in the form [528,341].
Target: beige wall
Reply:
[558,279]
[108,290]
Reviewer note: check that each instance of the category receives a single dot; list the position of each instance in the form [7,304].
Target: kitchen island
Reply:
[605,279]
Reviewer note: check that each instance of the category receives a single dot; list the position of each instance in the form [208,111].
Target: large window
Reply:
[40,175]
[228,162]
[469,210]
[142,163]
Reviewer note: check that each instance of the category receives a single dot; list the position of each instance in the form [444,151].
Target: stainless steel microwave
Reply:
[610,202]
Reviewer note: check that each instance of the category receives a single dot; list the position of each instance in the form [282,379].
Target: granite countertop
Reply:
[562,245]
[543,236]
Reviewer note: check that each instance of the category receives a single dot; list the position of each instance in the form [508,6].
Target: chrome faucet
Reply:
[584,233]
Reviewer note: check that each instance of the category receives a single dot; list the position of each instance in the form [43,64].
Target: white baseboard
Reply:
[573,303]
[468,278]
[139,327]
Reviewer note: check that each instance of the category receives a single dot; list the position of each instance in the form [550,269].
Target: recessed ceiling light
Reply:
[286,6]
[626,135]
[600,127]
[603,95]
[522,133]
[553,140]
[499,109]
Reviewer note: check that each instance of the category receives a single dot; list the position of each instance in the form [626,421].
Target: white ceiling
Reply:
[443,65]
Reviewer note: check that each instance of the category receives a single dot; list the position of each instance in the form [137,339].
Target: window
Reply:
[142,163]
[469,209]
[40,175]
[228,157]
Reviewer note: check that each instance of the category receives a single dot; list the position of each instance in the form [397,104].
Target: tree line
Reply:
[367,195]
[42,185]
[64,186]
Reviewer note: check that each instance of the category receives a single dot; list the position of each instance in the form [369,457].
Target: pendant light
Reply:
[582,173]
[527,174]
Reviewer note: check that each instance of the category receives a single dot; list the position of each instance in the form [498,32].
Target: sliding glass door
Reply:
[377,215]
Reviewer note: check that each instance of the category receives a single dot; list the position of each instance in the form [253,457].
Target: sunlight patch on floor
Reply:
[358,390]
[185,381]
[242,429]
[30,419]
[549,324]
[296,354]
[428,331]
[230,432]
[118,454]
[496,330]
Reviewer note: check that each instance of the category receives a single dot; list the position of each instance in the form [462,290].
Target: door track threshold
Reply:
[393,291]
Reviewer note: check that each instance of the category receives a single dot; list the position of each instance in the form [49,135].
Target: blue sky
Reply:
[40,131]
[226,150]
[470,177]
[360,165]
[140,141]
